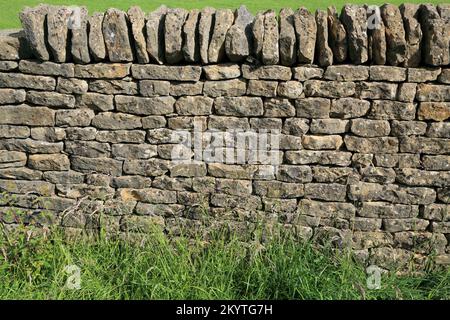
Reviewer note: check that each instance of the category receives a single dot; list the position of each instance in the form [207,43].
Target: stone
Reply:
[319,157]
[436,212]
[116,35]
[439,130]
[89,149]
[313,108]
[194,106]
[386,210]
[366,224]
[47,68]
[153,122]
[8,65]
[31,146]
[424,145]
[178,89]
[12,159]
[48,134]
[96,41]
[7,131]
[435,40]
[238,106]
[413,34]
[196,169]
[58,18]
[430,92]
[377,175]
[347,73]
[395,34]
[99,165]
[95,101]
[40,188]
[238,40]
[262,88]
[49,162]
[376,90]
[306,30]
[72,86]
[436,111]
[296,126]
[148,167]
[258,35]
[232,202]
[266,72]
[26,115]
[294,173]
[74,118]
[371,145]
[20,174]
[387,73]
[133,151]
[10,96]
[14,46]
[145,106]
[444,76]
[347,108]
[406,92]
[234,87]
[136,18]
[116,121]
[392,110]
[376,32]
[113,87]
[325,192]
[173,31]
[354,19]
[149,195]
[155,34]
[335,175]
[205,26]
[191,49]
[439,162]
[306,73]
[423,74]
[222,71]
[176,73]
[270,48]
[33,23]
[329,126]
[278,108]
[223,20]
[370,128]
[323,51]
[290,89]
[154,88]
[416,177]
[408,128]
[396,225]
[329,89]
[132,182]
[80,133]
[365,191]
[51,99]
[102,71]
[337,36]
[331,142]
[287,42]
[79,37]
[18,80]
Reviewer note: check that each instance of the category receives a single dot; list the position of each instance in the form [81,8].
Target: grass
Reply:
[34,268]
[10,10]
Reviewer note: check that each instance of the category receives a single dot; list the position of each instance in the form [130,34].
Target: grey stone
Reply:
[294,173]
[413,34]
[332,142]
[406,92]
[408,128]
[423,74]
[14,46]
[266,72]
[31,146]
[306,73]
[392,110]
[49,162]
[155,34]
[290,89]
[102,71]
[96,40]
[270,49]
[18,80]
[7,131]
[342,159]
[329,89]
[347,108]
[47,68]
[10,96]
[8,65]
[238,41]
[137,20]
[439,130]
[377,90]
[48,134]
[33,23]
[296,126]
[325,191]
[113,87]
[372,145]
[74,118]
[355,22]
[370,128]
[313,108]
[234,87]
[337,36]
[145,106]
[194,106]
[347,73]
[116,35]
[72,86]
[222,71]
[99,165]
[262,88]
[329,126]
[12,159]
[121,136]
[186,88]
[152,88]
[58,18]
[191,48]
[258,35]
[223,20]
[89,149]
[153,122]
[323,51]
[25,115]
[176,73]
[377,45]
[173,31]
[79,39]
[439,162]
[305,29]
[40,188]
[238,106]
[205,26]
[424,145]
[435,41]
[386,210]
[133,151]
[422,178]
[387,73]
[395,34]
[278,108]
[51,99]
[95,101]
[148,167]
[109,120]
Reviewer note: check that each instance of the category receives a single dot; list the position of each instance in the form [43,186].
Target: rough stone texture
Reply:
[117,37]
[137,20]
[305,29]
[358,157]
[33,23]
[58,31]
[435,42]
[79,40]
[173,39]
[223,20]
[323,51]
[96,42]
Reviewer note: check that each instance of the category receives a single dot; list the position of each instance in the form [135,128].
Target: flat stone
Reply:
[145,106]
[423,74]
[329,126]
[325,191]
[191,49]
[377,90]
[222,71]
[49,162]
[347,73]
[152,88]
[194,106]
[100,165]
[186,88]
[102,71]
[176,73]
[306,73]
[74,118]
[136,18]
[313,108]
[27,187]
[113,87]
[18,80]
[387,73]
[7,131]
[305,29]
[116,34]
[79,39]
[238,106]
[238,40]
[234,87]
[392,110]
[31,146]
[370,128]
[48,134]
[278,108]
[95,101]
[8,65]
[47,68]
[173,30]
[25,115]
[51,99]
[96,40]
[355,21]
[33,23]
[155,34]
[262,88]
[431,92]
[338,158]
[116,121]
[436,111]
[266,72]
[11,96]
[329,89]
[424,145]
[223,20]
[330,142]
[372,145]
[290,89]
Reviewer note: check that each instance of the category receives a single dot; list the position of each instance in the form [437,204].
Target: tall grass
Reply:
[182,268]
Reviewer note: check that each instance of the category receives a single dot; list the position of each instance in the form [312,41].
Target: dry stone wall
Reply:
[137,118]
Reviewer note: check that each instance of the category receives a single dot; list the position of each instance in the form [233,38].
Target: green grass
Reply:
[182,269]
[9,10]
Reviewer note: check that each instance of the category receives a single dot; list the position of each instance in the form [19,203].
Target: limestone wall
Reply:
[318,123]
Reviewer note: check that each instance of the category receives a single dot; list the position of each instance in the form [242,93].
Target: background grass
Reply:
[9,9]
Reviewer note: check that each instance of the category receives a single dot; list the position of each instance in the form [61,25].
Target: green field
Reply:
[9,10]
